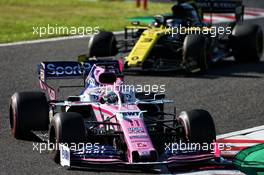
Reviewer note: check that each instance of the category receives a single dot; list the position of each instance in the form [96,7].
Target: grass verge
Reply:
[18,17]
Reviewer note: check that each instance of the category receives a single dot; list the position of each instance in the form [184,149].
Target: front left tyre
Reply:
[28,111]
[66,128]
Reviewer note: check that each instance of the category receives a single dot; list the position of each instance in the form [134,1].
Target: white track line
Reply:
[43,40]
[246,131]
[227,172]
[51,39]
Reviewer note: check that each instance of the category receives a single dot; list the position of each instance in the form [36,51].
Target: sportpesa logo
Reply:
[67,69]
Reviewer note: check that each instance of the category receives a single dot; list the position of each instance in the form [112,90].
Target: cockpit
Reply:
[118,97]
[104,84]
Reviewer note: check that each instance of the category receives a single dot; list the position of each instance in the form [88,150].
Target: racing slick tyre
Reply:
[66,128]
[247,43]
[198,126]
[195,56]
[103,44]
[28,111]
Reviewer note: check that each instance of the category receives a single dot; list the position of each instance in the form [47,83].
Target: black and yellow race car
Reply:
[182,41]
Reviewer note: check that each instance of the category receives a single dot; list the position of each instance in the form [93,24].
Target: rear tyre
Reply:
[198,126]
[28,111]
[103,44]
[247,43]
[195,56]
[66,128]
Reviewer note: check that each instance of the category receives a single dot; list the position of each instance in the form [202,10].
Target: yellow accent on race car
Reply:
[137,27]
[144,45]
[149,38]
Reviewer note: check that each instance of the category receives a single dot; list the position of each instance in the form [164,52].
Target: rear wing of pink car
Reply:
[70,70]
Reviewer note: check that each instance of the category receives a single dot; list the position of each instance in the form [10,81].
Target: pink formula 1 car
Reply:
[109,123]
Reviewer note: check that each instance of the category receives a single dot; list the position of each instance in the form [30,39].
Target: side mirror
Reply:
[107,78]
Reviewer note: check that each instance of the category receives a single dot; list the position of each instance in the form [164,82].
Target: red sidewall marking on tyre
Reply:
[14,123]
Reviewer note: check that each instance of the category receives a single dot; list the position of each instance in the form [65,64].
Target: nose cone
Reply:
[138,141]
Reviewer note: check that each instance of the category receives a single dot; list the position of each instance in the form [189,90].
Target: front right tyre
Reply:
[198,126]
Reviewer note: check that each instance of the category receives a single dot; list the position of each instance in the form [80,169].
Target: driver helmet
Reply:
[179,10]
[193,4]
[110,97]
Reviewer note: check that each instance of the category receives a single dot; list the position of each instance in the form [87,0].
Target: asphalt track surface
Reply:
[232,93]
